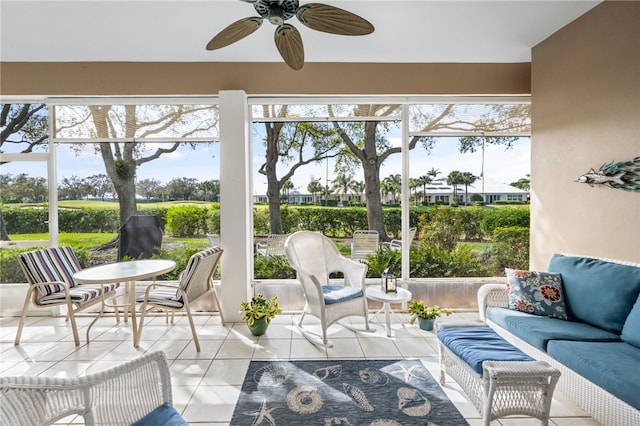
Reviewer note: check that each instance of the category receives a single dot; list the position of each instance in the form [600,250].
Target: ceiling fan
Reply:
[317,16]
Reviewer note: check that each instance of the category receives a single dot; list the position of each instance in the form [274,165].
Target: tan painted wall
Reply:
[585,112]
[144,78]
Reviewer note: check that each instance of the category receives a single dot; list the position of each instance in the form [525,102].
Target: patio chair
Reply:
[315,257]
[122,395]
[50,276]
[214,240]
[274,245]
[396,245]
[364,243]
[196,282]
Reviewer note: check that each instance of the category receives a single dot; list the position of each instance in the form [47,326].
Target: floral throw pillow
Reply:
[538,293]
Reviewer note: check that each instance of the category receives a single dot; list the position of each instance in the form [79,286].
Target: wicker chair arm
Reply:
[492,295]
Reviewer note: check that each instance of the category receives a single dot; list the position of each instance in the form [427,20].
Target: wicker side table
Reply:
[505,387]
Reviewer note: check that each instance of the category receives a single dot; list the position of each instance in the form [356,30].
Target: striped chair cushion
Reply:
[79,294]
[192,267]
[50,265]
[163,296]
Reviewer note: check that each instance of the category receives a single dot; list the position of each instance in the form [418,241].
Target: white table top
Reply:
[124,271]
[374,292]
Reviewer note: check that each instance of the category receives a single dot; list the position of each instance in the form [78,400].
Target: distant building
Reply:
[437,192]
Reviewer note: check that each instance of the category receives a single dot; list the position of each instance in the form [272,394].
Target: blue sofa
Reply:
[597,348]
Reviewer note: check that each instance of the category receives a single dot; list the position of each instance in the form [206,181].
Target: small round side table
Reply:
[374,292]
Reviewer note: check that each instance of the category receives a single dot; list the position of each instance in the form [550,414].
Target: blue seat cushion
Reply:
[597,292]
[614,367]
[164,415]
[339,293]
[477,344]
[538,330]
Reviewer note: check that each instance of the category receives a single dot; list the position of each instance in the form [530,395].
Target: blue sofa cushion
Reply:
[477,344]
[631,329]
[597,292]
[538,331]
[538,293]
[164,415]
[339,293]
[614,367]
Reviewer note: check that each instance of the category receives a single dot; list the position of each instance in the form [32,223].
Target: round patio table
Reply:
[127,272]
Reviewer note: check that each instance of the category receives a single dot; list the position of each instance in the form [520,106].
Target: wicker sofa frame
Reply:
[600,404]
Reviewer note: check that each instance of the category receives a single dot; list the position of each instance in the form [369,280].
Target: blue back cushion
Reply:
[477,344]
[597,292]
[631,329]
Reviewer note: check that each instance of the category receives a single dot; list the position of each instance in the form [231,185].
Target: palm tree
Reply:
[342,182]
[467,178]
[414,183]
[454,179]
[314,188]
[358,187]
[433,173]
[394,183]
[286,189]
[424,180]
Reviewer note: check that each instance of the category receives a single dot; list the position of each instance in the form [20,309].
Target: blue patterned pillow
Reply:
[537,293]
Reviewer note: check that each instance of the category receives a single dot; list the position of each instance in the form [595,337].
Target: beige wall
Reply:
[585,112]
[143,78]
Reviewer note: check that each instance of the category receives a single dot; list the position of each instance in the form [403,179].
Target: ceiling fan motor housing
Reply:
[276,11]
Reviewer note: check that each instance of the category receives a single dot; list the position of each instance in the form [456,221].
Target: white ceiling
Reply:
[177,31]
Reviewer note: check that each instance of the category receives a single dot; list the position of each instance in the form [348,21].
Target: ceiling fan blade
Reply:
[235,32]
[289,44]
[331,19]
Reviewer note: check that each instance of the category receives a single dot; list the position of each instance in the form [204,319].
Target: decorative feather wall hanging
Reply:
[623,175]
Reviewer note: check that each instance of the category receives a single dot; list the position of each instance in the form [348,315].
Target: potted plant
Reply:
[259,312]
[425,315]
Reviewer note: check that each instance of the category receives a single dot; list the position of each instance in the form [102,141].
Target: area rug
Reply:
[343,392]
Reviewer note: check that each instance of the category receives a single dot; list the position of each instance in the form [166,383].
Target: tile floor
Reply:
[206,385]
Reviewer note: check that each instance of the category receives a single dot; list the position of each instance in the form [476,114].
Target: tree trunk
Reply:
[4,235]
[375,218]
[273,195]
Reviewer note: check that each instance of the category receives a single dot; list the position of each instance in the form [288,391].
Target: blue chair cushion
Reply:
[474,345]
[164,415]
[340,293]
[612,366]
[538,331]
[597,292]
[631,329]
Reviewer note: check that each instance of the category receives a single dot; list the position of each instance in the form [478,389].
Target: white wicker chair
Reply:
[364,243]
[196,282]
[315,257]
[118,396]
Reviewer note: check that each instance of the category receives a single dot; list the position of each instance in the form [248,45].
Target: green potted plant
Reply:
[259,312]
[425,315]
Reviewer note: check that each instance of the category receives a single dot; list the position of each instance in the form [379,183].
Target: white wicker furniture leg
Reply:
[505,388]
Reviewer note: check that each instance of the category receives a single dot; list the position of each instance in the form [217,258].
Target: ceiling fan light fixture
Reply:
[317,16]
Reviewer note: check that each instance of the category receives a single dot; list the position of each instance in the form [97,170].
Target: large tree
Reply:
[23,125]
[367,143]
[134,124]
[292,145]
